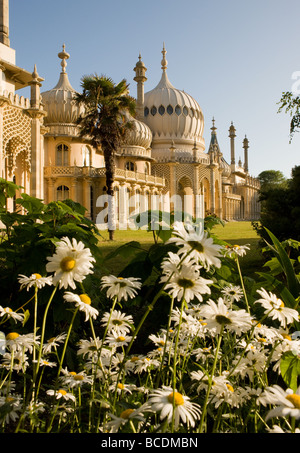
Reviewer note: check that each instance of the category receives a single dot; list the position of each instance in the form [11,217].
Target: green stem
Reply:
[43,328]
[242,283]
[210,381]
[66,342]
[175,360]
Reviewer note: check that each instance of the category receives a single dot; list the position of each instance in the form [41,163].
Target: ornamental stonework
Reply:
[16,137]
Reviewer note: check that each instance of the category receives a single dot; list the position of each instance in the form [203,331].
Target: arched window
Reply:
[130,166]
[62,155]
[62,193]
[86,155]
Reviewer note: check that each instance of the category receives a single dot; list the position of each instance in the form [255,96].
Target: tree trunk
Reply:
[110,177]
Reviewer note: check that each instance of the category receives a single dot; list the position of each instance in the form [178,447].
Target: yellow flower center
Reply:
[37,276]
[85,298]
[45,362]
[62,392]
[125,414]
[120,386]
[177,398]
[230,388]
[78,377]
[134,359]
[72,373]
[295,399]
[67,264]
[286,337]
[120,339]
[12,336]
[196,245]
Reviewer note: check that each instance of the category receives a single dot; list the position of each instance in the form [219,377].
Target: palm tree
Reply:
[104,123]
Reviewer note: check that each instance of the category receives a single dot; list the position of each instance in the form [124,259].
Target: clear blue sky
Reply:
[235,57]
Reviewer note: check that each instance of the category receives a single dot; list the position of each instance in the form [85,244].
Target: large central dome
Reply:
[173,115]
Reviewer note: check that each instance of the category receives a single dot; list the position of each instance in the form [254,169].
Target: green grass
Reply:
[240,233]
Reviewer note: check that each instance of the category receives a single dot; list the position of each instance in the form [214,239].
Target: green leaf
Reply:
[290,369]
[286,296]
[287,267]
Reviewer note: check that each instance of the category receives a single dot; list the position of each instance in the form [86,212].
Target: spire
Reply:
[63,82]
[164,81]
[63,56]
[232,136]
[246,146]
[214,145]
[140,77]
[164,63]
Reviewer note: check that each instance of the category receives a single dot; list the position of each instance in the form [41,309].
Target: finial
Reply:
[213,128]
[164,62]
[63,56]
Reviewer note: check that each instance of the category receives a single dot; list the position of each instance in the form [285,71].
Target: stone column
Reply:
[4,22]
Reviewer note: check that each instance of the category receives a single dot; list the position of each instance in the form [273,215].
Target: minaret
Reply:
[246,146]
[4,22]
[232,136]
[140,77]
[35,89]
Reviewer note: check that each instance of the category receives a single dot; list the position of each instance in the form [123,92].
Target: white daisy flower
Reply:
[146,363]
[118,321]
[116,340]
[53,343]
[89,347]
[71,262]
[13,405]
[18,342]
[286,401]
[275,308]
[128,414]
[187,282]
[10,314]
[83,303]
[35,280]
[72,379]
[123,288]
[46,363]
[61,393]
[219,316]
[17,360]
[173,261]
[198,245]
[232,293]
[236,250]
[165,401]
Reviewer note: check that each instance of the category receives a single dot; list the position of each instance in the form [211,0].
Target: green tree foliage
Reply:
[271,179]
[291,104]
[280,209]
[28,238]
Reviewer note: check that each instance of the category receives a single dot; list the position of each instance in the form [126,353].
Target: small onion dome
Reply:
[139,134]
[59,102]
[225,167]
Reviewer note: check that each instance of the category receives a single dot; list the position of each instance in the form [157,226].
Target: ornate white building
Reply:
[162,165]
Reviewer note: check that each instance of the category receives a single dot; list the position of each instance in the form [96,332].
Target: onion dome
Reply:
[172,114]
[139,135]
[62,110]
[225,167]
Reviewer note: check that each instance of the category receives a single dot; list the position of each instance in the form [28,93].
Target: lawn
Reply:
[240,233]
